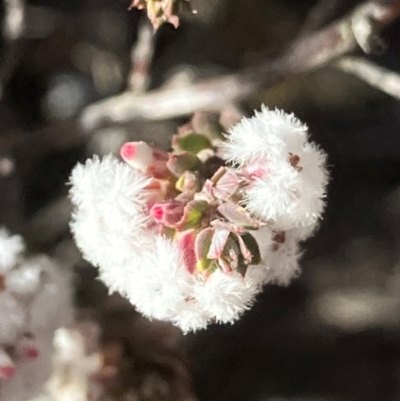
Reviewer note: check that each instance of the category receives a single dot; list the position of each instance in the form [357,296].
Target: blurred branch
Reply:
[378,77]
[14,19]
[358,28]
[141,56]
[307,53]
[319,15]
[210,95]
[12,30]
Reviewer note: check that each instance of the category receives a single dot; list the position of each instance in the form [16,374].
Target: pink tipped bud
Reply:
[31,352]
[27,346]
[167,213]
[7,368]
[138,155]
[143,157]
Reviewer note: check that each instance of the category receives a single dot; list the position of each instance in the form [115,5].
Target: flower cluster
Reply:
[160,11]
[34,301]
[192,235]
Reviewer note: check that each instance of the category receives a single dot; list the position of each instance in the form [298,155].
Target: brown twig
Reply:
[381,78]
[341,37]
[320,15]
[141,56]
[306,54]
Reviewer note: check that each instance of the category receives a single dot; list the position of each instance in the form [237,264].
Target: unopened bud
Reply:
[27,346]
[168,213]
[7,368]
[143,157]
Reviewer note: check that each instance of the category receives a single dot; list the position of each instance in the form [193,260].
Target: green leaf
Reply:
[179,163]
[193,143]
[201,247]
[192,215]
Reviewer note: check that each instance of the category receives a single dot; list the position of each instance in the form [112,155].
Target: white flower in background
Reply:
[35,299]
[195,249]
[10,249]
[76,363]
[12,318]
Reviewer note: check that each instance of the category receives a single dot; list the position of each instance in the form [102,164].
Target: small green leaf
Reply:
[179,163]
[192,215]
[193,143]
[201,247]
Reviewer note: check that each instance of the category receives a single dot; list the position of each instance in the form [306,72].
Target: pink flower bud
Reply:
[143,157]
[168,213]
[27,346]
[31,352]
[7,368]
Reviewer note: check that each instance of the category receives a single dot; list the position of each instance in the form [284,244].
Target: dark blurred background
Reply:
[332,335]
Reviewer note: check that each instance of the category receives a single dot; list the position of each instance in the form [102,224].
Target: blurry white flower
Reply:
[12,318]
[10,249]
[25,280]
[35,299]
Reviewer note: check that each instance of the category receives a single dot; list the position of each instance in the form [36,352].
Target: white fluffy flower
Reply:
[162,288]
[281,178]
[159,286]
[225,296]
[287,172]
[10,249]
[109,201]
[268,133]
[191,317]
[279,259]
[283,260]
